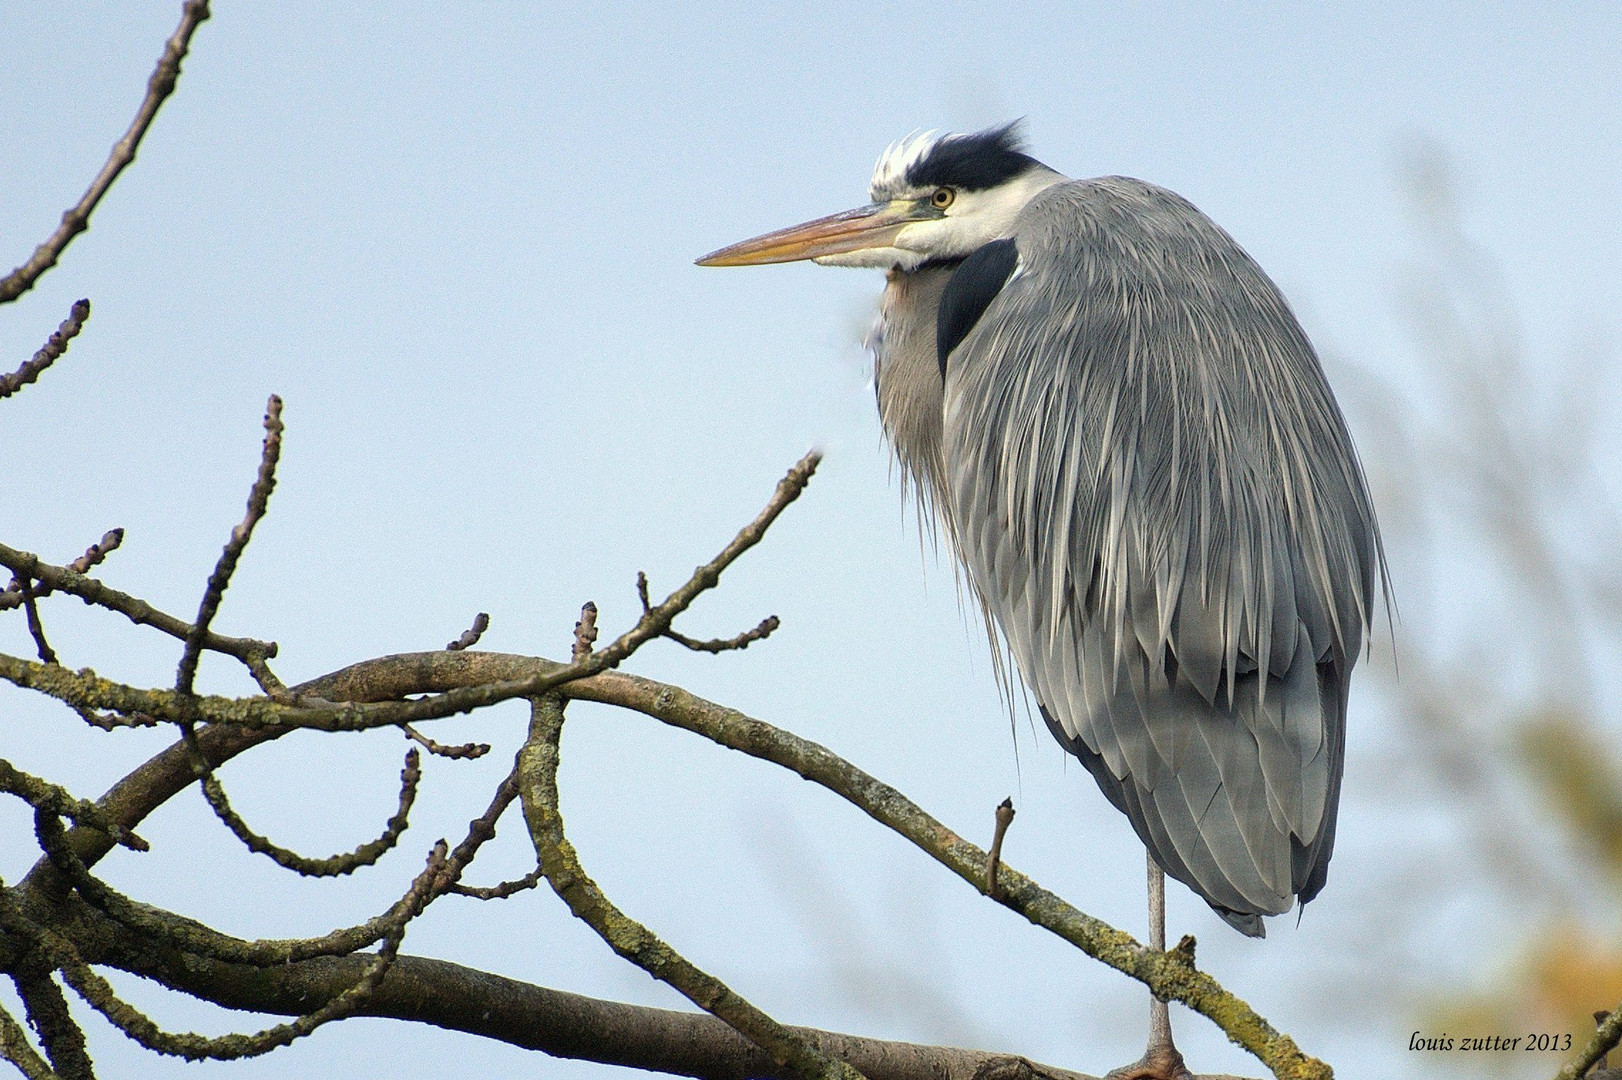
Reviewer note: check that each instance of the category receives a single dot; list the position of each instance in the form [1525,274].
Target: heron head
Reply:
[934,197]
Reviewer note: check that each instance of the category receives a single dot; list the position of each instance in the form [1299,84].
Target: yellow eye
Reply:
[942,198]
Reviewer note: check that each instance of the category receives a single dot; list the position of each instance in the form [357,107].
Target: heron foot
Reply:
[1157,1063]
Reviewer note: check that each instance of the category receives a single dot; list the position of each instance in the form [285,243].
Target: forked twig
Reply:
[88,690]
[94,554]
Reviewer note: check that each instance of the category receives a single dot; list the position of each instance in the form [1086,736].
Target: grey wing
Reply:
[1159,505]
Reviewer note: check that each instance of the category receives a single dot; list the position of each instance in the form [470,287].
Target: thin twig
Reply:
[47,655]
[93,555]
[461,750]
[49,353]
[1005,818]
[99,994]
[538,785]
[197,940]
[273,687]
[41,794]
[585,632]
[87,689]
[333,865]
[720,645]
[64,579]
[470,637]
[114,721]
[77,219]
[479,830]
[258,499]
[500,891]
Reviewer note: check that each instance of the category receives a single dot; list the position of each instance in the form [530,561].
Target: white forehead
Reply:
[890,172]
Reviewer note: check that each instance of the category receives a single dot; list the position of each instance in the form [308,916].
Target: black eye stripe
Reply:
[974,162]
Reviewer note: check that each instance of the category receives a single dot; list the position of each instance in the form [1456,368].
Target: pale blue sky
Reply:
[458,240]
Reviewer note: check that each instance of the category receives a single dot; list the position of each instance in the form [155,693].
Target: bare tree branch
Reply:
[100,995]
[93,556]
[460,750]
[470,637]
[15,1048]
[77,218]
[538,786]
[49,353]
[91,591]
[44,795]
[58,1031]
[87,690]
[258,501]
[1170,974]
[737,641]
[346,862]
[559,1023]
[1607,1036]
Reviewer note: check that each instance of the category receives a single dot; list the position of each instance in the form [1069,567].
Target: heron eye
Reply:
[942,198]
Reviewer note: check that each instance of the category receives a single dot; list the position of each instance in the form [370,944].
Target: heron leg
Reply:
[1160,1061]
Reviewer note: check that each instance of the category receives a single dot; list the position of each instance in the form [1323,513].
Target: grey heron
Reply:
[1131,446]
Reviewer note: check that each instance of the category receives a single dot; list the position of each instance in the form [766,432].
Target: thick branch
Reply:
[77,219]
[15,1048]
[58,1031]
[1169,975]
[562,1024]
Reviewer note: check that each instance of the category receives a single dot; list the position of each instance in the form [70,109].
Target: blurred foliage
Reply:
[1564,758]
[1492,470]
[1550,987]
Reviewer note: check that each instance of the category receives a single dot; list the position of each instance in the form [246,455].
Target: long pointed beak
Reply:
[865,227]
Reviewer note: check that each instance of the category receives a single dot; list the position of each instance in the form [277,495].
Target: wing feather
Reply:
[1159,506]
